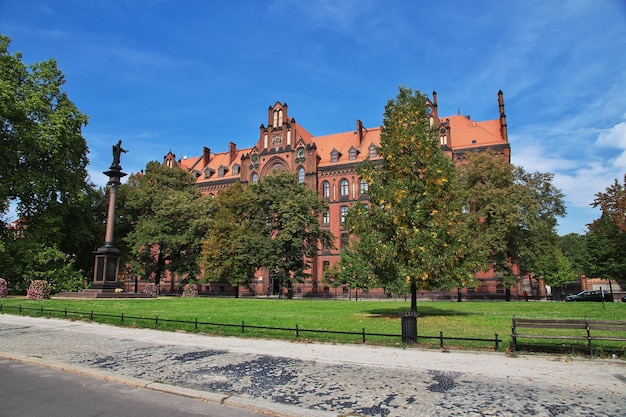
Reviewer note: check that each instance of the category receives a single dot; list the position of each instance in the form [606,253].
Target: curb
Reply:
[283,410]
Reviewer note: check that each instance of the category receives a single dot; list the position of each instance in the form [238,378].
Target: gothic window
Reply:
[277,167]
[326,189]
[255,177]
[344,187]
[275,118]
[344,213]
[301,175]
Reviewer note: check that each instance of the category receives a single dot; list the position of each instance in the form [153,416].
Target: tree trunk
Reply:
[459,298]
[413,297]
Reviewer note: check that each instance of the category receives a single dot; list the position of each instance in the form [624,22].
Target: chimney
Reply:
[206,156]
[503,129]
[359,130]
[232,152]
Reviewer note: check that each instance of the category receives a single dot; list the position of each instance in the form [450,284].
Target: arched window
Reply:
[326,189]
[255,177]
[345,241]
[275,118]
[344,187]
[364,186]
[344,213]
[301,175]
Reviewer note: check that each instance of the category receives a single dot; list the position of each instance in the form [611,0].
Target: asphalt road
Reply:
[30,391]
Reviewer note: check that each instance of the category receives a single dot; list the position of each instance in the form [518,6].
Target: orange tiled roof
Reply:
[467,133]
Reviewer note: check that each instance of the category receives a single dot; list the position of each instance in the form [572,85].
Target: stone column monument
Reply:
[108,256]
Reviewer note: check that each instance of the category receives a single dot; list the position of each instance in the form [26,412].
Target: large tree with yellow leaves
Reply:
[413,234]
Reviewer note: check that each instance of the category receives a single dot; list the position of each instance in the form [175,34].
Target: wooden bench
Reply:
[575,329]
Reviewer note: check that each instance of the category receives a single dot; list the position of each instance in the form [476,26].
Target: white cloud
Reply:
[615,137]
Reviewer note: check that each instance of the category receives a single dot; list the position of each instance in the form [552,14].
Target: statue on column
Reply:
[117,152]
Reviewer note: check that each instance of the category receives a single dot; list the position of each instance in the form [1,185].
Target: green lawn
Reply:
[465,319]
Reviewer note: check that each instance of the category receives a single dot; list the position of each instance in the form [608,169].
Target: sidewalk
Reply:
[302,379]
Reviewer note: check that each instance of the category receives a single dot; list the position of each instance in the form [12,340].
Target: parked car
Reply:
[624,299]
[590,295]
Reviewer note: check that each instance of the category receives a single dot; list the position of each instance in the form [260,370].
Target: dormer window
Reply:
[334,155]
[352,153]
[236,169]
[222,171]
[208,172]
[373,151]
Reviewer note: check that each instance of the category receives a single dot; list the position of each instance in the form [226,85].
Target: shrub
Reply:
[151,289]
[38,290]
[190,290]
[4,287]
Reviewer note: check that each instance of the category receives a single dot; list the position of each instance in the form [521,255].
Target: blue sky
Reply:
[181,75]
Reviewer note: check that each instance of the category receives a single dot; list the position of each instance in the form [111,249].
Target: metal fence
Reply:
[298,331]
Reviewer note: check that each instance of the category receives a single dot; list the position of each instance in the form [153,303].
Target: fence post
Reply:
[497,342]
[156,320]
[42,310]
[65,311]
[363,334]
[243,326]
[122,318]
[196,324]
[589,335]
[91,315]
[297,332]
[441,339]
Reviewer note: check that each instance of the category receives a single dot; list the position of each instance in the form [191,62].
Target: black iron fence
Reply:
[197,324]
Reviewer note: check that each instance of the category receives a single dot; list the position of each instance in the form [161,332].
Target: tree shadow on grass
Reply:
[422,311]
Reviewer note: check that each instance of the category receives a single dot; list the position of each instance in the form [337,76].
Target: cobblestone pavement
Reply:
[329,379]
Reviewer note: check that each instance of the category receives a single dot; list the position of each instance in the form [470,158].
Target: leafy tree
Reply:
[413,235]
[44,153]
[606,239]
[574,248]
[170,220]
[43,168]
[607,249]
[514,213]
[353,271]
[228,250]
[289,213]
[613,204]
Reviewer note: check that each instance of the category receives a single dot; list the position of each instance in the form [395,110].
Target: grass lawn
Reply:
[465,319]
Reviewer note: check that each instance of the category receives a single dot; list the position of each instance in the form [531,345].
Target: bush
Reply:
[151,289]
[38,290]
[190,290]
[4,287]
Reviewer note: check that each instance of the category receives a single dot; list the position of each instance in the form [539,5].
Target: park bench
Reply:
[566,329]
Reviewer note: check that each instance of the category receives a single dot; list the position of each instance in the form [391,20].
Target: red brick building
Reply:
[328,164]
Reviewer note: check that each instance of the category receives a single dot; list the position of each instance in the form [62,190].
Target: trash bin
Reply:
[409,327]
